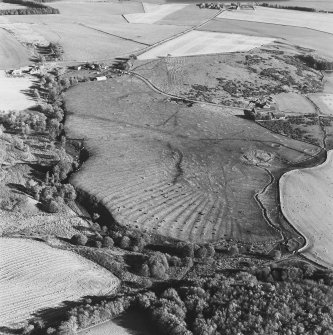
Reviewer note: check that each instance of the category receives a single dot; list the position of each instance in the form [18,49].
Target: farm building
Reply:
[263,109]
[100,78]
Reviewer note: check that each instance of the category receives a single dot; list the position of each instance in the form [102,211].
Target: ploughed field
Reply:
[306,201]
[191,173]
[35,276]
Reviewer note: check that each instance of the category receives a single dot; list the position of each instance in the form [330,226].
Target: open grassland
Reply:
[231,79]
[317,21]
[12,53]
[4,6]
[311,39]
[293,103]
[35,276]
[12,95]
[154,13]
[171,169]
[202,42]
[306,201]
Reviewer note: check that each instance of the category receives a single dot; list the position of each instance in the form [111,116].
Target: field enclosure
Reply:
[171,169]
[12,53]
[306,201]
[293,103]
[11,93]
[303,37]
[317,21]
[35,276]
[201,42]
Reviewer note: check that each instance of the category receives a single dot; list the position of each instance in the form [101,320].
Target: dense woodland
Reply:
[32,8]
[238,304]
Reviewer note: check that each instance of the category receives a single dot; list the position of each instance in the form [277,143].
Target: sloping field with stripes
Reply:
[174,170]
[35,276]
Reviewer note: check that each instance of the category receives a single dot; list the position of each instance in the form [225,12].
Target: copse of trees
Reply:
[32,8]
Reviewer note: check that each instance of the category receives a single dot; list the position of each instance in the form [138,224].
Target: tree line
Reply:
[32,8]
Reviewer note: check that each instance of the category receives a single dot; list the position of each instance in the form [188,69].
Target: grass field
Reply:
[154,13]
[200,43]
[293,103]
[317,21]
[12,53]
[311,39]
[11,93]
[306,201]
[36,276]
[4,6]
[170,169]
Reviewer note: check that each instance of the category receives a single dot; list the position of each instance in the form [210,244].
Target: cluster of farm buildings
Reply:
[231,6]
[263,109]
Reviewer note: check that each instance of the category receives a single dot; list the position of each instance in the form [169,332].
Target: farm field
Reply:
[199,42]
[74,37]
[188,16]
[4,6]
[12,95]
[324,101]
[12,53]
[37,276]
[306,201]
[317,21]
[293,103]
[310,39]
[142,33]
[154,13]
[174,170]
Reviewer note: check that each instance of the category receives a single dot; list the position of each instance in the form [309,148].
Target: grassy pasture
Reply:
[293,103]
[12,53]
[204,42]
[170,169]
[306,201]
[311,39]
[317,21]
[37,276]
